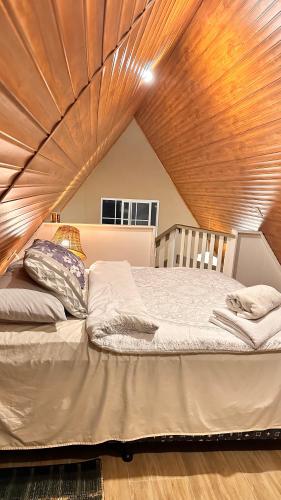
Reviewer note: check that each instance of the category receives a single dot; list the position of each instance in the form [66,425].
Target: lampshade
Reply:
[69,237]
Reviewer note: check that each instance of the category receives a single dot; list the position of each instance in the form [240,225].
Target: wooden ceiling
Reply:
[214,117]
[70,82]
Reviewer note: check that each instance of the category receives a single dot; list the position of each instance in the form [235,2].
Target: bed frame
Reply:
[238,441]
[266,439]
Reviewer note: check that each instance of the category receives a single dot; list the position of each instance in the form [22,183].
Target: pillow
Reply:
[21,300]
[63,256]
[15,265]
[57,269]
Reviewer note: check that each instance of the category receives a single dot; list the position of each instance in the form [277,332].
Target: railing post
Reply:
[220,253]
[195,249]
[161,252]
[211,251]
[229,258]
[203,250]
[182,241]
[188,247]
[157,246]
[172,249]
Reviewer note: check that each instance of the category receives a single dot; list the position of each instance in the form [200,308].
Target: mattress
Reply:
[181,301]
[56,389]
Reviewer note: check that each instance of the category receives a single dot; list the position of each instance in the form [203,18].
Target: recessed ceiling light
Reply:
[148,76]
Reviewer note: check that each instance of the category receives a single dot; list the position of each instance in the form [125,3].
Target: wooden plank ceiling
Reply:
[70,82]
[214,118]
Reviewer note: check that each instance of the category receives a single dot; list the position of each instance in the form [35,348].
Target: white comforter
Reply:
[114,303]
[181,301]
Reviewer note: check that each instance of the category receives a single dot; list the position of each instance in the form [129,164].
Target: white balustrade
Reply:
[186,246]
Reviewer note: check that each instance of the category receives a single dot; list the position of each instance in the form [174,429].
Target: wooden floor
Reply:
[228,475]
[208,475]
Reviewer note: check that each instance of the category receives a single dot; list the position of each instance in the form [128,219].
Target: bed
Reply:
[58,389]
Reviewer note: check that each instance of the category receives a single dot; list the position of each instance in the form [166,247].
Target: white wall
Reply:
[136,244]
[255,263]
[130,169]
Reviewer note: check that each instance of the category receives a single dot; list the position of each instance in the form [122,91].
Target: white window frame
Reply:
[130,201]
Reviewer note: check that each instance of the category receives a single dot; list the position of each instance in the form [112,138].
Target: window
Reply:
[129,212]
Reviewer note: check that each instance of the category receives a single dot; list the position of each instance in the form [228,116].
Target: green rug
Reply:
[81,481]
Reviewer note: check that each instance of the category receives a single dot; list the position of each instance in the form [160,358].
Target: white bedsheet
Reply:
[181,301]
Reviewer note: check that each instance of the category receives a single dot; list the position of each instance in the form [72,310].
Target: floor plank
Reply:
[228,475]
[263,473]
[116,479]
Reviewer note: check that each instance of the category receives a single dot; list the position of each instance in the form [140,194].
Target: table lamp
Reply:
[69,237]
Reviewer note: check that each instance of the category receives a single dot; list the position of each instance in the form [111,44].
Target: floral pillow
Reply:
[64,257]
[57,269]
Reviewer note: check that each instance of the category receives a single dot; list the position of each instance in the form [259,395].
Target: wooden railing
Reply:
[196,248]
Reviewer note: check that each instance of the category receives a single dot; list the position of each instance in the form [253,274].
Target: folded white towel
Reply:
[255,332]
[253,302]
[114,303]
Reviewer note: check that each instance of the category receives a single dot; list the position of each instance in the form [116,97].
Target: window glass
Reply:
[108,208]
[108,221]
[118,209]
[134,212]
[126,210]
[153,214]
[143,211]
[142,223]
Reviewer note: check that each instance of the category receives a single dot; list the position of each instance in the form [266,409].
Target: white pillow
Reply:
[22,300]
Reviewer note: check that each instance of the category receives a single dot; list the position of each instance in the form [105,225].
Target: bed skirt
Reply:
[60,392]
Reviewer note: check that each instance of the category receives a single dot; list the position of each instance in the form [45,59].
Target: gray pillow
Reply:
[46,270]
[15,265]
[21,300]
